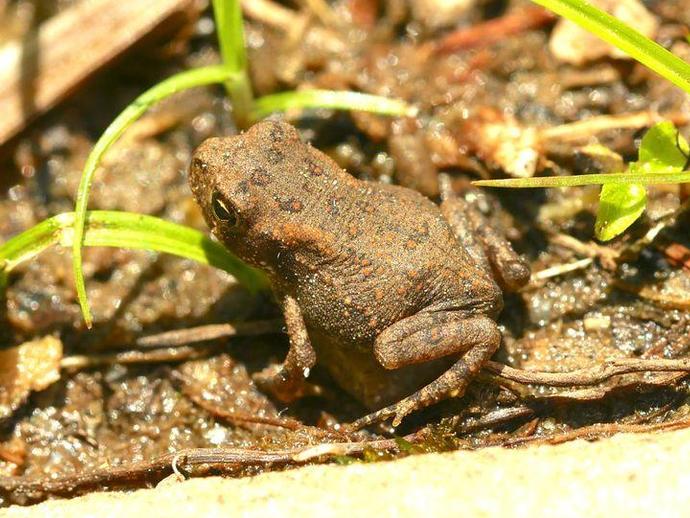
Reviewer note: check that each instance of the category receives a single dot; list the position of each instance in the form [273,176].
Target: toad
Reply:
[395,295]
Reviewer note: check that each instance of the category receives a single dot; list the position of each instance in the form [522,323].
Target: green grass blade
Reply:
[176,83]
[338,100]
[228,16]
[29,243]
[230,28]
[627,39]
[586,179]
[127,230]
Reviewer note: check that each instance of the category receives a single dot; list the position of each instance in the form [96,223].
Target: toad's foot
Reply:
[489,249]
[275,381]
[398,411]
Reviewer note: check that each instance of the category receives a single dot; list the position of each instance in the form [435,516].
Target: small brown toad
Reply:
[373,279]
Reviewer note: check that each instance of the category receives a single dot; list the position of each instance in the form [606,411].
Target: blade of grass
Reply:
[230,29]
[176,83]
[339,100]
[228,17]
[587,179]
[127,230]
[627,39]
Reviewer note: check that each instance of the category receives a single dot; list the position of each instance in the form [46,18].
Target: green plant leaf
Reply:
[627,39]
[127,230]
[176,83]
[662,150]
[230,30]
[619,207]
[334,99]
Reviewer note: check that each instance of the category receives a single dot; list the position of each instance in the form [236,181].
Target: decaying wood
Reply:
[47,65]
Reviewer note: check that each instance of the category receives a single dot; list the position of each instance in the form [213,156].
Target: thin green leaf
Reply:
[619,207]
[587,179]
[127,230]
[338,100]
[230,28]
[627,39]
[176,83]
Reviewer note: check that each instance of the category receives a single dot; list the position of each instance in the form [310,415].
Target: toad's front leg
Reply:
[286,381]
[427,336]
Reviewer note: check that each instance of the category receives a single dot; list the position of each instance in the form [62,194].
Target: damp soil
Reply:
[479,103]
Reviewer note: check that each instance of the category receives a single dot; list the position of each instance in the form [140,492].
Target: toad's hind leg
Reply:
[488,248]
[427,336]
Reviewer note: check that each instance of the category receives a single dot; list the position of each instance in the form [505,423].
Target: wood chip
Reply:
[27,368]
[43,68]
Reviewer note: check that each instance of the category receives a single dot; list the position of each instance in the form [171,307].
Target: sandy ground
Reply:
[626,475]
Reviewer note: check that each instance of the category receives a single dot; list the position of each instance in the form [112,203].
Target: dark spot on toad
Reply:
[243,187]
[274,155]
[259,176]
[314,168]
[277,133]
[292,205]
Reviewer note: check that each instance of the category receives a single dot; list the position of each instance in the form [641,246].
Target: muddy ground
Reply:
[489,107]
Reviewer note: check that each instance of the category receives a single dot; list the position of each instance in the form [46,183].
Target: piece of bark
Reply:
[27,368]
[47,65]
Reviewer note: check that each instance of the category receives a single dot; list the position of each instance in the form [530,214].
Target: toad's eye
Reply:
[222,210]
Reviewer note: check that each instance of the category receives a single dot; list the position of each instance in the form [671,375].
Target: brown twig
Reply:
[210,332]
[606,255]
[492,31]
[539,277]
[496,418]
[589,376]
[171,354]
[190,389]
[590,433]
[586,129]
[228,460]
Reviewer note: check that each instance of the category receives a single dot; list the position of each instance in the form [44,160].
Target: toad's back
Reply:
[358,256]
